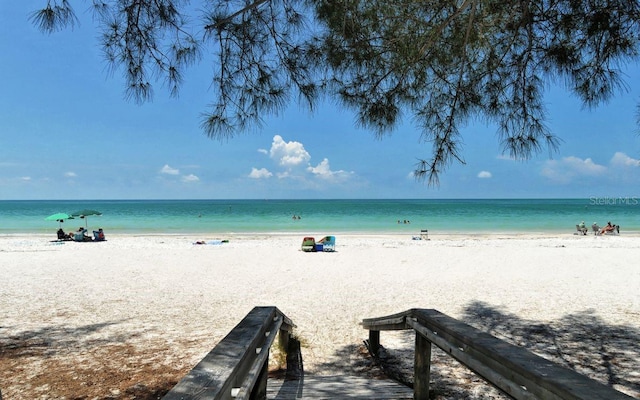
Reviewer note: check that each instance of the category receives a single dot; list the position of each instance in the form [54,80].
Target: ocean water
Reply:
[319,217]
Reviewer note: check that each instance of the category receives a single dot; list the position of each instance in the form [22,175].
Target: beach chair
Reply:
[596,229]
[328,243]
[63,236]
[308,244]
[615,231]
[581,231]
[424,234]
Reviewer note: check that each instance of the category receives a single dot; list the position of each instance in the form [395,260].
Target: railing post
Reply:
[421,368]
[259,391]
[374,342]
[283,341]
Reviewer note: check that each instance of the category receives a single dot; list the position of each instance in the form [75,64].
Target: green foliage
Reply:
[442,62]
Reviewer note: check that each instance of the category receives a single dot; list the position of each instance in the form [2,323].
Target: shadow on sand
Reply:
[582,342]
[79,362]
[52,340]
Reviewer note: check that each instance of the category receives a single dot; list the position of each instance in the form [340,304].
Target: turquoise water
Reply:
[324,216]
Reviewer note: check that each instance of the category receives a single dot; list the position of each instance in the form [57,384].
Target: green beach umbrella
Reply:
[84,214]
[60,217]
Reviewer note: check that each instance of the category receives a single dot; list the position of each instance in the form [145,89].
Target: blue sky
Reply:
[66,132]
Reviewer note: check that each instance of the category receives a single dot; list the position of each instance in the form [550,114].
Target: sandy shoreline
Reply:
[145,309]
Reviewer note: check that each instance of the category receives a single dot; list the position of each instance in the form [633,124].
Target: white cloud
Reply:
[169,171]
[261,173]
[190,178]
[568,168]
[70,174]
[288,154]
[25,178]
[293,163]
[623,160]
[584,167]
[323,170]
[484,174]
[187,178]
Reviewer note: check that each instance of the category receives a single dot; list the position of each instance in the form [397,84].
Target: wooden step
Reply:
[337,387]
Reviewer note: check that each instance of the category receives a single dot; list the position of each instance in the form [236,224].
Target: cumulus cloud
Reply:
[622,160]
[585,167]
[323,170]
[484,174]
[568,168]
[288,154]
[70,174]
[169,171]
[185,178]
[190,178]
[293,162]
[261,173]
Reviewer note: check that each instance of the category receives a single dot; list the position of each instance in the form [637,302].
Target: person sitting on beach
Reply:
[81,235]
[99,234]
[61,234]
[582,227]
[608,228]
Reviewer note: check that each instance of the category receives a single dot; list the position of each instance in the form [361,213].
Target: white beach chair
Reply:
[581,231]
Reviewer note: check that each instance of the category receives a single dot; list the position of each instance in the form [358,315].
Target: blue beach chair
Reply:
[328,243]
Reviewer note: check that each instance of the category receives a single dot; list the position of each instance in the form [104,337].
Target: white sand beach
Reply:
[127,318]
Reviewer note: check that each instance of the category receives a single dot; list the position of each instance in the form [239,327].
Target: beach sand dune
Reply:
[127,318]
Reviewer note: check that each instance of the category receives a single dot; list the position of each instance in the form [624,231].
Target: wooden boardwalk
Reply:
[337,387]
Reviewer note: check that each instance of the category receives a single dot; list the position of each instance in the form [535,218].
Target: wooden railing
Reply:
[515,371]
[237,367]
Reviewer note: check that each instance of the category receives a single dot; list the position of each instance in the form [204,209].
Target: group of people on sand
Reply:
[81,235]
[609,228]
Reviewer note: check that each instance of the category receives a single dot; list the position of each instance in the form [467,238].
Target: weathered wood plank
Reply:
[337,387]
[227,366]
[516,371]
[421,368]
[541,377]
